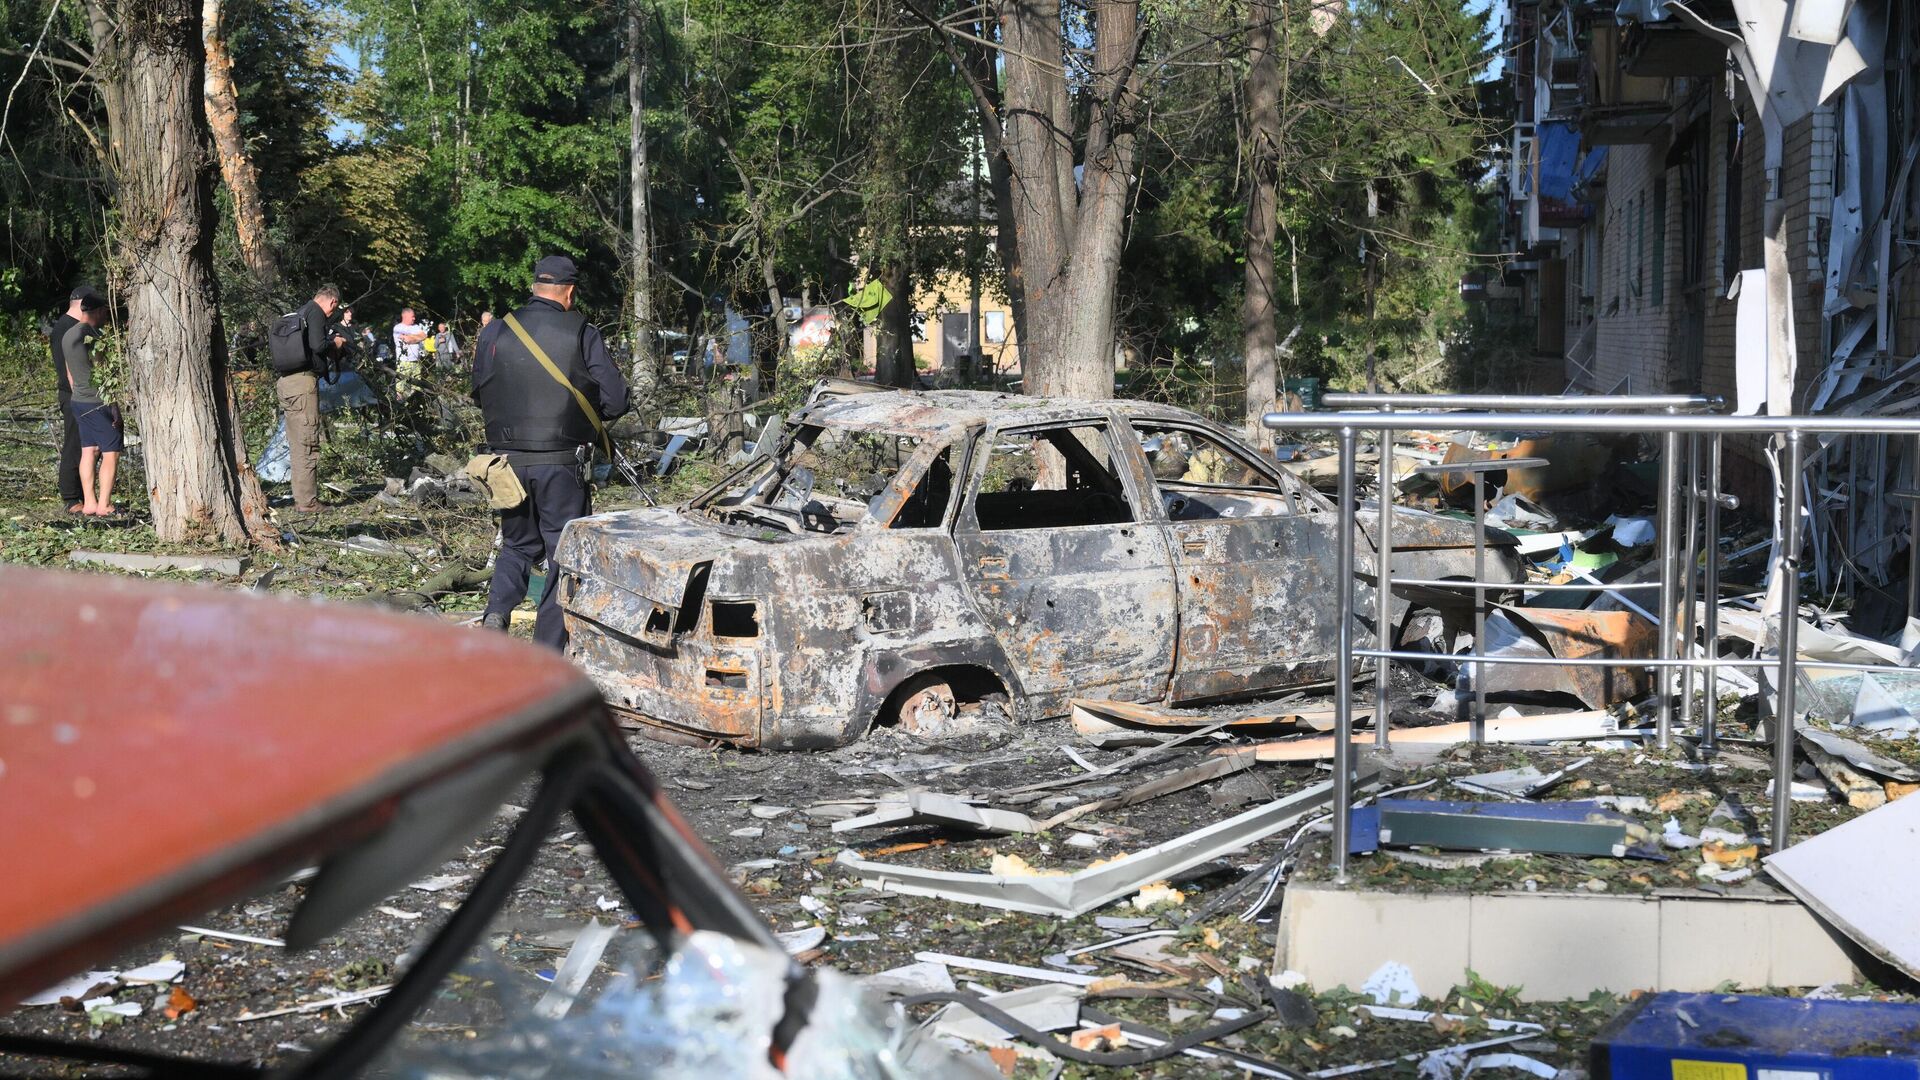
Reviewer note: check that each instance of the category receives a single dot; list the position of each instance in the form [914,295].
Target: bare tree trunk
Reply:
[197,482]
[645,368]
[1257,329]
[1038,145]
[1082,363]
[236,165]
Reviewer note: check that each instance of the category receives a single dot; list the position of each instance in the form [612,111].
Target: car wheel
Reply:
[927,707]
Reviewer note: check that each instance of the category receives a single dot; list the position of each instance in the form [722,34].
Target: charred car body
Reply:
[897,548]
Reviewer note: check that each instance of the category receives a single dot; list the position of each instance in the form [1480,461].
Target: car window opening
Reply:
[926,508]
[1053,478]
[1204,478]
[822,480]
[736,619]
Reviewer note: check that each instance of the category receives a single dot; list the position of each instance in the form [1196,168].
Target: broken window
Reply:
[1051,478]
[823,480]
[1182,455]
[926,508]
[1732,261]
[1202,476]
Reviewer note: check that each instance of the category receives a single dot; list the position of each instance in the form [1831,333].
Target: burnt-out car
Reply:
[895,548]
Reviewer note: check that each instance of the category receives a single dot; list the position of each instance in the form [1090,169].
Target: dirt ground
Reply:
[759,814]
[753,810]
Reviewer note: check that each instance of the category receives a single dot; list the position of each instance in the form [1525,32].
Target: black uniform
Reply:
[70,492]
[539,426]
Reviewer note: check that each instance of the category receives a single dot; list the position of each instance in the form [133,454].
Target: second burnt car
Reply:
[899,550]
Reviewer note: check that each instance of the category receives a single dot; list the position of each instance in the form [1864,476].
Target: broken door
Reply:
[1076,582]
[1254,568]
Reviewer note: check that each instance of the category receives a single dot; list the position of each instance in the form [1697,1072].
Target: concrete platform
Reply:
[1557,945]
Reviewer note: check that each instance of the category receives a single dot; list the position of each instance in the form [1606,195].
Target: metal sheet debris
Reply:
[1567,635]
[1548,727]
[1525,782]
[919,977]
[933,808]
[1046,1007]
[1860,878]
[1565,828]
[1078,893]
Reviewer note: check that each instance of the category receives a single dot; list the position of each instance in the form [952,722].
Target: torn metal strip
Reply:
[1081,892]
[1596,724]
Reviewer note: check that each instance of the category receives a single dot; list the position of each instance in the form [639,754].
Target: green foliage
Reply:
[794,147]
[1354,116]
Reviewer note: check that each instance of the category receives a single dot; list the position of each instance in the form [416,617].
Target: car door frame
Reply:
[1048,696]
[1229,637]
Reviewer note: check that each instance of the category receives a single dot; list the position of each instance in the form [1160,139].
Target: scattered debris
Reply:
[224,565]
[338,1001]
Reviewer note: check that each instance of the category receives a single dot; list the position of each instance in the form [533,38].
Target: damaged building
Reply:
[1643,187]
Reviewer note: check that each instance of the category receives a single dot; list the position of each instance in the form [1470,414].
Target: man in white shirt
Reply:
[407,338]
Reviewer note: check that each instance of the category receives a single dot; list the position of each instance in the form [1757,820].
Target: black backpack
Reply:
[287,344]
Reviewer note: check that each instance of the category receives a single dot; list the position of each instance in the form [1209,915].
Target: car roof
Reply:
[168,749]
[947,412]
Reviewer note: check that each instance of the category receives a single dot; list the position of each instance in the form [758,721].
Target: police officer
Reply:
[539,425]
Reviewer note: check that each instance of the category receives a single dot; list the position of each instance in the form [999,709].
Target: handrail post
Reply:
[1913,538]
[1479,605]
[1383,595]
[1343,677]
[1710,720]
[1789,639]
[1690,579]
[1669,527]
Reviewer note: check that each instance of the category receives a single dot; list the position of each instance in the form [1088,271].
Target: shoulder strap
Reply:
[553,369]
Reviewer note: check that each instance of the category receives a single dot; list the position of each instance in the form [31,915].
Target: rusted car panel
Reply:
[1041,548]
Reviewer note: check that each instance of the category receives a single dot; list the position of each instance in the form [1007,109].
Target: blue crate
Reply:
[1675,1036]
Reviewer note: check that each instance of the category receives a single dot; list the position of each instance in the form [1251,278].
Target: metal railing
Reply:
[1670,423]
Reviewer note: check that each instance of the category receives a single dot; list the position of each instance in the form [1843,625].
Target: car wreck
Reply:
[891,554]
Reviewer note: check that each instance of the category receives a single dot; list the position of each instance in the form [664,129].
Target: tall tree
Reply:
[151,53]
[645,366]
[1257,329]
[1069,231]
[236,164]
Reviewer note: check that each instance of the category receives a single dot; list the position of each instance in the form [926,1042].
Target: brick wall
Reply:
[1634,338]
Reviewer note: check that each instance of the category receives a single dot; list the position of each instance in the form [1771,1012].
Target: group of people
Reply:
[542,376]
[546,386]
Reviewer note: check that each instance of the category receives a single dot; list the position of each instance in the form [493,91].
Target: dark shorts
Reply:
[99,426]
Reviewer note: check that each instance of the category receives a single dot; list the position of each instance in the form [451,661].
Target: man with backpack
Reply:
[300,343]
[546,386]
